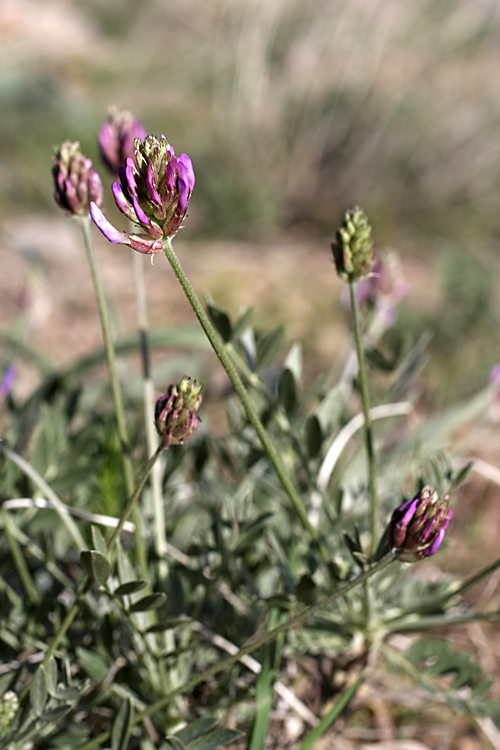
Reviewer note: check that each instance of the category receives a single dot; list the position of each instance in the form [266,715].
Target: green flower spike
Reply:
[353,250]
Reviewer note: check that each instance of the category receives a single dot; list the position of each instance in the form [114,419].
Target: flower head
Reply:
[76,182]
[417,527]
[153,193]
[353,249]
[116,139]
[9,705]
[175,412]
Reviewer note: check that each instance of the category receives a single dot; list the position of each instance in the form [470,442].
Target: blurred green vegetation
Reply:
[291,111]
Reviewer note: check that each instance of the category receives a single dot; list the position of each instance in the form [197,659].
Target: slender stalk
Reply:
[252,645]
[148,395]
[85,223]
[149,405]
[368,430]
[235,379]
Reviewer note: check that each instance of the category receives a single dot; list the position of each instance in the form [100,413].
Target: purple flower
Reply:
[153,193]
[7,382]
[494,378]
[76,182]
[175,412]
[116,139]
[418,526]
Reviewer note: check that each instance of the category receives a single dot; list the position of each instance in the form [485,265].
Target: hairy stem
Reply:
[368,430]
[115,387]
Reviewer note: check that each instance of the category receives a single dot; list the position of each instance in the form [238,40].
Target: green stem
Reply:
[149,407]
[85,224]
[235,379]
[284,423]
[368,430]
[148,394]
[252,645]
[132,500]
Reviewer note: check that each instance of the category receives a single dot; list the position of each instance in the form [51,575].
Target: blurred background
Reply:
[291,111]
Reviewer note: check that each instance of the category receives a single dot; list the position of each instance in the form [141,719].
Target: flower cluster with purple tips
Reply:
[154,185]
[175,412]
[153,193]
[418,526]
[76,183]
[117,139]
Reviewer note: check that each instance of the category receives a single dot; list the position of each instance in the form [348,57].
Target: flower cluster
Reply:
[76,182]
[9,705]
[353,249]
[418,526]
[175,412]
[153,193]
[117,138]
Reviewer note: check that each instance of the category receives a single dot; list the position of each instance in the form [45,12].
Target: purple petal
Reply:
[108,145]
[122,202]
[186,171]
[494,378]
[8,380]
[152,183]
[435,544]
[143,219]
[129,172]
[171,174]
[108,230]
[407,511]
[137,242]
[129,176]
[122,176]
[184,193]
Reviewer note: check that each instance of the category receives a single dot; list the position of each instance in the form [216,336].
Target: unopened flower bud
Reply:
[175,412]
[117,137]
[353,249]
[9,704]
[418,526]
[76,182]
